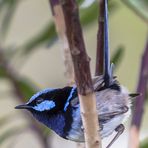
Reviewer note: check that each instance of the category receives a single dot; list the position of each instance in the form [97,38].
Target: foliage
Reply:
[47,35]
[139,7]
[144,144]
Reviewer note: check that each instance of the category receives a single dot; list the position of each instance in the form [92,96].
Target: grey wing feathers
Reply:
[97,82]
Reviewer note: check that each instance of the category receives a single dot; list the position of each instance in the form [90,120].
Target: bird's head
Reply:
[43,101]
[47,106]
[47,100]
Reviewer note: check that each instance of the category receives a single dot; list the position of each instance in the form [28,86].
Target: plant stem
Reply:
[61,30]
[82,71]
[77,48]
[140,101]
[100,41]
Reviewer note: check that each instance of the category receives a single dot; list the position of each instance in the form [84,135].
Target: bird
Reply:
[59,108]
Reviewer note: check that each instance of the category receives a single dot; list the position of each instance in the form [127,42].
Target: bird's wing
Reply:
[97,82]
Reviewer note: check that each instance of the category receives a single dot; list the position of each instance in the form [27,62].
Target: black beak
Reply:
[24,106]
[133,95]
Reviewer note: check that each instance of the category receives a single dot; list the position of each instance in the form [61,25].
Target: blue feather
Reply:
[40,93]
[45,105]
[69,98]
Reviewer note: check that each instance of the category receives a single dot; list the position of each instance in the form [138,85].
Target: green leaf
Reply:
[3,3]
[25,85]
[140,7]
[47,34]
[144,144]
[26,88]
[8,17]
[117,56]
[10,133]
[90,14]
[80,2]
[2,73]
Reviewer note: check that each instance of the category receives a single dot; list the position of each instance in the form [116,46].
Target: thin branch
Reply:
[142,88]
[140,101]
[100,40]
[61,30]
[77,47]
[82,71]
[13,77]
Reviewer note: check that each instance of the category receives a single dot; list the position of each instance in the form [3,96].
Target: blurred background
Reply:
[31,60]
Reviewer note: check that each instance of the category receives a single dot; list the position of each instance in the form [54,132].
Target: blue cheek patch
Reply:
[45,105]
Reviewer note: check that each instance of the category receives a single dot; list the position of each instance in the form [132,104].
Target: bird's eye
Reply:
[39,100]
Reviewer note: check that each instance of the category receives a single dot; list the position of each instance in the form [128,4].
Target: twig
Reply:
[100,40]
[139,104]
[13,77]
[82,73]
[61,30]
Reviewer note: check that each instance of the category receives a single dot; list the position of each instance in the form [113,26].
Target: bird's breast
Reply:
[76,131]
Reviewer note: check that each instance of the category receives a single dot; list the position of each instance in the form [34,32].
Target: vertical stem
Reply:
[82,72]
[61,30]
[77,47]
[100,41]
[140,100]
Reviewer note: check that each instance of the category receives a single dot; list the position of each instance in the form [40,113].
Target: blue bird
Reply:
[59,109]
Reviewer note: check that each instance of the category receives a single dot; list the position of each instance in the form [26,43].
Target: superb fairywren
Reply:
[59,109]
